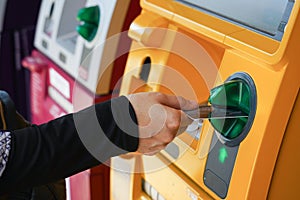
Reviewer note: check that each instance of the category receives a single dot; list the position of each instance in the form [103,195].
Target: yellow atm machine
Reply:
[230,54]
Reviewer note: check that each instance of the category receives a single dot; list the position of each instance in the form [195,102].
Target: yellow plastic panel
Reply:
[257,153]
[262,47]
[286,175]
[169,182]
[249,42]
[203,23]
[252,43]
[122,178]
[131,79]
[141,29]
[138,85]
[176,69]
[162,8]
[273,66]
[191,19]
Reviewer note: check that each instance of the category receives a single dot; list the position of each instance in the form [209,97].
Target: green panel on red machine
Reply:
[89,18]
[232,95]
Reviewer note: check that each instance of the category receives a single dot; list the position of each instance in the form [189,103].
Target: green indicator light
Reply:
[87,31]
[223,155]
[89,22]
[90,15]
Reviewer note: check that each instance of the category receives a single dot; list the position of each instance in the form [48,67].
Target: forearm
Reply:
[65,146]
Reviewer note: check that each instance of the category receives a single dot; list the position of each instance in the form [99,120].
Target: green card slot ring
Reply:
[237,93]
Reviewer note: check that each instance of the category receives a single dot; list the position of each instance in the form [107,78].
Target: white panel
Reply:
[55,38]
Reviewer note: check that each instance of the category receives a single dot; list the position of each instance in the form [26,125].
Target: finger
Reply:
[181,130]
[185,120]
[177,102]
[175,123]
[150,144]
[151,153]
[155,150]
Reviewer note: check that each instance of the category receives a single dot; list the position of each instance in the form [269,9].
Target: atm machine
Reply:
[240,54]
[79,58]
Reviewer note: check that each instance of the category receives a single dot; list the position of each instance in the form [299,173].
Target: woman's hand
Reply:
[160,119]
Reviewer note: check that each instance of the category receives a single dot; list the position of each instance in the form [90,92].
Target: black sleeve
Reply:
[70,144]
